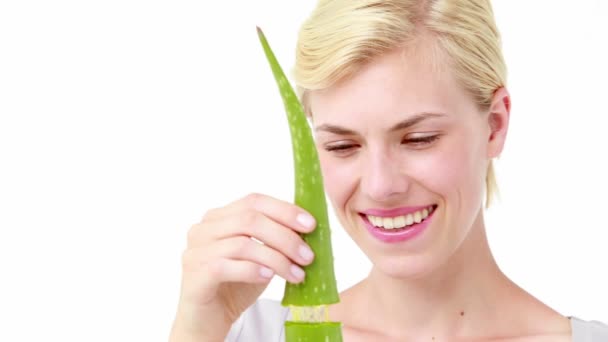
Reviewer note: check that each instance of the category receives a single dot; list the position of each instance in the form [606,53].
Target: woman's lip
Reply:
[395,212]
[399,234]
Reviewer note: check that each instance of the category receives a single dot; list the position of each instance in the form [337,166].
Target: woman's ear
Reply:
[498,121]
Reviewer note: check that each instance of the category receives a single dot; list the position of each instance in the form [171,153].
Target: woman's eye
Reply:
[420,141]
[340,148]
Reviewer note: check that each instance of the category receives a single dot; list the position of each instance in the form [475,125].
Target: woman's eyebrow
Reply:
[335,129]
[415,119]
[409,122]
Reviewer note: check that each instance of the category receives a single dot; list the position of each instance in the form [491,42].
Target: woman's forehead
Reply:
[391,85]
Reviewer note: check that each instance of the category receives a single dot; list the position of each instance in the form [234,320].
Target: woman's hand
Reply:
[224,270]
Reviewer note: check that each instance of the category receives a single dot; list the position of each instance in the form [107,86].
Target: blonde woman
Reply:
[409,106]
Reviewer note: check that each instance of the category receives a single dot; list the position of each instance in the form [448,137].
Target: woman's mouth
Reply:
[401,221]
[398,226]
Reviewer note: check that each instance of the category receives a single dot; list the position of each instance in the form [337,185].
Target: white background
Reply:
[122,122]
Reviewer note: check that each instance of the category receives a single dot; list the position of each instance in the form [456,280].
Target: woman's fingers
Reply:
[234,252]
[203,282]
[245,242]
[285,213]
[268,260]
[257,225]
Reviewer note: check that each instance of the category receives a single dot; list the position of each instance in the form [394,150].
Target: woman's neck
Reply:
[457,299]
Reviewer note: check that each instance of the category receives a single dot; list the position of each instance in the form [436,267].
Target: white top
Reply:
[263,322]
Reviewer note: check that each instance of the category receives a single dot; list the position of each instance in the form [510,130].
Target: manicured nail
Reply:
[297,272]
[266,272]
[306,252]
[306,220]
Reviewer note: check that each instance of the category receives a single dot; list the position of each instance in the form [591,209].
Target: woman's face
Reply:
[398,138]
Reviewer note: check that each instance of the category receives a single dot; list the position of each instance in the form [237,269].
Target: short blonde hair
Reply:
[341,36]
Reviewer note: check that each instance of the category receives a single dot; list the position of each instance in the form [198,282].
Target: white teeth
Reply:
[400,221]
[372,219]
[417,217]
[409,220]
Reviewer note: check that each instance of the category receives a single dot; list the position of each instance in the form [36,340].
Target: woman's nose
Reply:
[382,178]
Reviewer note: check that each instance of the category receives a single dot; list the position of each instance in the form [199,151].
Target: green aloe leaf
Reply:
[309,298]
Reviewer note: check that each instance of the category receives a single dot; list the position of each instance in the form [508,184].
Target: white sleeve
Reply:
[588,331]
[261,322]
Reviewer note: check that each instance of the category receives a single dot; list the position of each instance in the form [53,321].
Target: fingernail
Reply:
[297,272]
[306,220]
[266,272]
[306,252]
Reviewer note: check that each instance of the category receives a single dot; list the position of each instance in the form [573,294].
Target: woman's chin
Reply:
[405,267]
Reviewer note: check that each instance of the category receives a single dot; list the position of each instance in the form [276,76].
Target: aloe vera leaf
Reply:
[319,286]
[313,332]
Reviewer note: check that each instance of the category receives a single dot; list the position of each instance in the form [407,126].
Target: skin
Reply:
[445,283]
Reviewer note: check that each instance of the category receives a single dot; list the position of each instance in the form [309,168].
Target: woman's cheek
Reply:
[447,173]
[333,177]
[455,174]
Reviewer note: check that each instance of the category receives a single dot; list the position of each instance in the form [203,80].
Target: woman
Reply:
[409,107]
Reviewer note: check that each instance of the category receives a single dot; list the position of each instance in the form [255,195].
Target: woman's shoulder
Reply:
[588,331]
[262,321]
